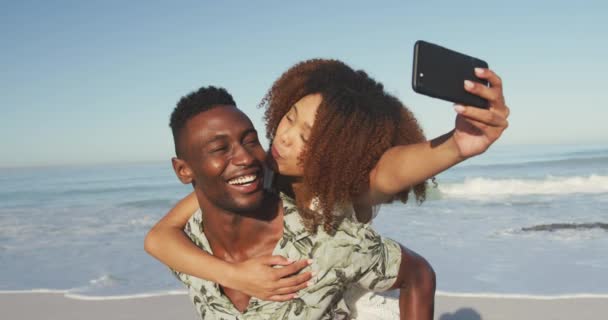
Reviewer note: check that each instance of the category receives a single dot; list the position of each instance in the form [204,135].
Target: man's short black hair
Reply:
[194,103]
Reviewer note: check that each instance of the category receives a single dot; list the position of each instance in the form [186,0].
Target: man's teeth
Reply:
[243,179]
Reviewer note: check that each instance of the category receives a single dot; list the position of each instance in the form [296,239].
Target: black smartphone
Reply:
[440,73]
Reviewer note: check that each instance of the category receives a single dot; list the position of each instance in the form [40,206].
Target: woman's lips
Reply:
[275,153]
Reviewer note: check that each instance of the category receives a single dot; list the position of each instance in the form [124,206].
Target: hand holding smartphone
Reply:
[440,73]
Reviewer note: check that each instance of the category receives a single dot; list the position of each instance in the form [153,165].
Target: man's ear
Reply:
[182,170]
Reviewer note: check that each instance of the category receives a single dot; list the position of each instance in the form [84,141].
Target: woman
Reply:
[341,146]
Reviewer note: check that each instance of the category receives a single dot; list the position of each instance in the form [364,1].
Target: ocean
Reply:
[518,220]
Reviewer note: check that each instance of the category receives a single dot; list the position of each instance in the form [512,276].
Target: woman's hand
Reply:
[258,277]
[476,128]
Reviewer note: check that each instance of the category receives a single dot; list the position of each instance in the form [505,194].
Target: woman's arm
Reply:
[167,242]
[475,130]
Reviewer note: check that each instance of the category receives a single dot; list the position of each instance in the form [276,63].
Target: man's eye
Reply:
[304,139]
[219,149]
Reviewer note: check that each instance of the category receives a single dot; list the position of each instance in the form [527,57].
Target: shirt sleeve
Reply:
[194,231]
[183,277]
[375,261]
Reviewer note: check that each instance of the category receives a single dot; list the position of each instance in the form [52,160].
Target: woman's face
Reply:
[292,135]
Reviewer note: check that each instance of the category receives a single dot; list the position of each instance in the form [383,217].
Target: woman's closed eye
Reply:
[291,115]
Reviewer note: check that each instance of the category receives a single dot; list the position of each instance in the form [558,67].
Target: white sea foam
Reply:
[484,188]
[104,281]
[68,294]
[125,297]
[145,221]
[40,290]
[522,296]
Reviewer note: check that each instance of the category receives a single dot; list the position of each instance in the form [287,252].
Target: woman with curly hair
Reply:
[341,146]
[329,126]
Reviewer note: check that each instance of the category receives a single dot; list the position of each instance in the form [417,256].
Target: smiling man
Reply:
[218,152]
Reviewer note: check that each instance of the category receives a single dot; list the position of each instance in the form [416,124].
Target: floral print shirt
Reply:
[354,255]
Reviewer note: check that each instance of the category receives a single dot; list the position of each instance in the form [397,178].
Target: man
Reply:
[218,152]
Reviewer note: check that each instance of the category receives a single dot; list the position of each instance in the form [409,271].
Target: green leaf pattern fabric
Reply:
[355,256]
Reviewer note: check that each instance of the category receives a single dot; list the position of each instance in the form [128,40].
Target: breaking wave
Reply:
[483,188]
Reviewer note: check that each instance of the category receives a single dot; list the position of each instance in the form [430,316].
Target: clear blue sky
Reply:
[95,82]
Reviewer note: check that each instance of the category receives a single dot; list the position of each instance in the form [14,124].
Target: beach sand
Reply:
[491,308]
[50,306]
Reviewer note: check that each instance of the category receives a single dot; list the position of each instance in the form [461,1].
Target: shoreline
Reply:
[177,292]
[26,305]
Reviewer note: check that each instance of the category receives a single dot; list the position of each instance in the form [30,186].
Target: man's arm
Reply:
[416,284]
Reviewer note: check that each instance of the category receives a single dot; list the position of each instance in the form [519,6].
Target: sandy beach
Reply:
[51,306]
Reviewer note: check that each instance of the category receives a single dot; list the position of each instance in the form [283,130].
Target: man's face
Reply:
[221,147]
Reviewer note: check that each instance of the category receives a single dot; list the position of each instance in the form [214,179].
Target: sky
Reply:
[85,82]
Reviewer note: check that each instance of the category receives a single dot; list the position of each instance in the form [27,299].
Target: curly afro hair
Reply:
[357,121]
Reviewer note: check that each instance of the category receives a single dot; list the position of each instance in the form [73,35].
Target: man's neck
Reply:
[235,237]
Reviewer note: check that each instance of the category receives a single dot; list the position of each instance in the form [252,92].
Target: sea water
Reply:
[526,220]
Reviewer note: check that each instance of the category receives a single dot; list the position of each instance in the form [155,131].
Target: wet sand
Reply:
[49,306]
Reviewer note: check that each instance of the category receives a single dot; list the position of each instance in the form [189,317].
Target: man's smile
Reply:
[247,182]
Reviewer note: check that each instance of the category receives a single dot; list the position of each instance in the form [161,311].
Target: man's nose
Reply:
[242,156]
